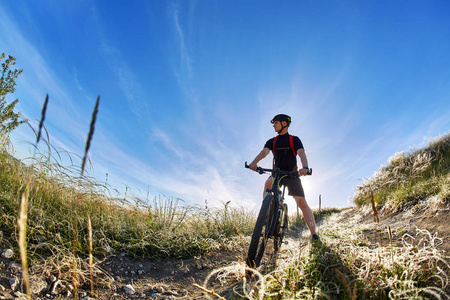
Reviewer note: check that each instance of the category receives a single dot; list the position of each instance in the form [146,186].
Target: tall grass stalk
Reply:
[91,259]
[91,133]
[41,122]
[74,256]
[22,224]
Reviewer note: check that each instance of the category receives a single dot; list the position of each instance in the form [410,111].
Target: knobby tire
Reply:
[281,228]
[261,232]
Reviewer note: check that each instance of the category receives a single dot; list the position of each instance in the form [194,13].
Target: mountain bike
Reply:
[272,221]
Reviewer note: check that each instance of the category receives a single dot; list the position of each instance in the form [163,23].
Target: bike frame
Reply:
[272,218]
[279,197]
[277,175]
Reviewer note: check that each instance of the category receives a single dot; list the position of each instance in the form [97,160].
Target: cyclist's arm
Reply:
[301,153]
[254,164]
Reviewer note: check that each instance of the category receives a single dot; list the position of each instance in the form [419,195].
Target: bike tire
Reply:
[282,226]
[261,232]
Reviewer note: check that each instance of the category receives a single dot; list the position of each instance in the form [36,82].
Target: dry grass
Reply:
[73,223]
[348,265]
[409,178]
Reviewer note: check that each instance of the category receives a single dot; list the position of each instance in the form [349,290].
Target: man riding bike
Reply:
[285,148]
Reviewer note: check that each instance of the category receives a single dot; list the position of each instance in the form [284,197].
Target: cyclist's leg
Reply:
[296,190]
[267,185]
[308,216]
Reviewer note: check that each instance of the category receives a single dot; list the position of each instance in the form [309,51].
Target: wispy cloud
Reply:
[162,136]
[126,79]
[184,67]
[198,178]
[185,58]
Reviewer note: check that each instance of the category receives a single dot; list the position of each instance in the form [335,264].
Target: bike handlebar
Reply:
[278,171]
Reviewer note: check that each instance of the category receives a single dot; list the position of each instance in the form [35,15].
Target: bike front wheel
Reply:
[281,228]
[261,232]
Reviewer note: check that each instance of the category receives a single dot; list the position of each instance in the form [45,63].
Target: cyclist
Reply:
[285,148]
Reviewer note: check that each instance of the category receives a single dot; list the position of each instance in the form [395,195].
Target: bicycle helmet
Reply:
[282,117]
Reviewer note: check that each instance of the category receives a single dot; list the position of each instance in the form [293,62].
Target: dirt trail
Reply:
[169,279]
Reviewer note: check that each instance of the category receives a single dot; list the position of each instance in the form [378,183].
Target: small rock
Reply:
[20,296]
[171,293]
[37,284]
[183,292]
[67,294]
[54,287]
[129,290]
[15,266]
[8,253]
[14,283]
[34,268]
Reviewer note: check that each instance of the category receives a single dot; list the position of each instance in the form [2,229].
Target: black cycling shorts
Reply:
[294,186]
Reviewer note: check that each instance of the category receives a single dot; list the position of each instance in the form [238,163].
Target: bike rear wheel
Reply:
[261,232]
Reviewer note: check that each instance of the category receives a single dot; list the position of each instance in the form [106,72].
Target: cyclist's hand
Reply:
[253,166]
[302,172]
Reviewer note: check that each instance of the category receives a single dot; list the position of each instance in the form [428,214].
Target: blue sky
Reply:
[188,88]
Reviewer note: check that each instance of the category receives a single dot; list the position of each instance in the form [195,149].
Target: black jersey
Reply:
[283,156]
